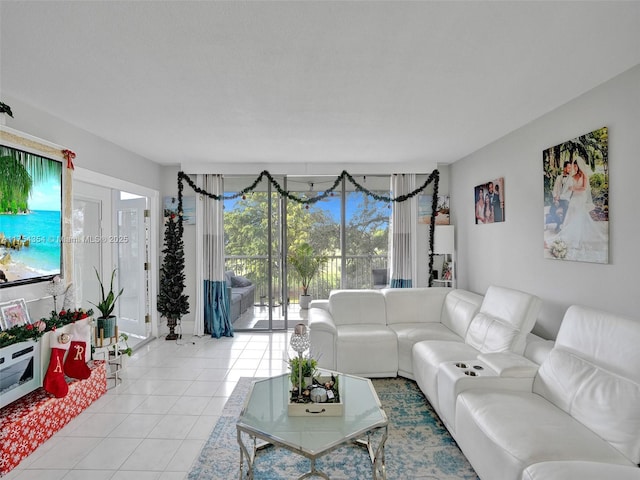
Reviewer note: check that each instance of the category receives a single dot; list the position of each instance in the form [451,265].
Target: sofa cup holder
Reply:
[469,370]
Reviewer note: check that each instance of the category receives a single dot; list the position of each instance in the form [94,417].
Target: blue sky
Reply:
[46,195]
[329,204]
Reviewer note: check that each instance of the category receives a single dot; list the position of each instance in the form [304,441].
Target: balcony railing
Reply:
[358,274]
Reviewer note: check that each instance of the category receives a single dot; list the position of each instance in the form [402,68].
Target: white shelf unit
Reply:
[444,255]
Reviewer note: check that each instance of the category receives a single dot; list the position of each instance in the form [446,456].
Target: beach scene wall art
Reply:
[30,217]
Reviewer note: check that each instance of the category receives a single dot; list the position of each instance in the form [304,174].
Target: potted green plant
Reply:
[306,264]
[309,370]
[107,321]
[122,347]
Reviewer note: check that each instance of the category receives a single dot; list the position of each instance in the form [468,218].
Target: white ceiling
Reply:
[387,83]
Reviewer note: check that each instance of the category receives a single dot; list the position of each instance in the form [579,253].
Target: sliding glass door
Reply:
[254,235]
[348,229]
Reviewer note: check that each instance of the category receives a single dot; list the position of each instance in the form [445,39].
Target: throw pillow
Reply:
[240,281]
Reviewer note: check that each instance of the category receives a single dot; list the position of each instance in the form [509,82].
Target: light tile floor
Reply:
[153,425]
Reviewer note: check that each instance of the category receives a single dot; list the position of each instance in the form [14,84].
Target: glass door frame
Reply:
[87,176]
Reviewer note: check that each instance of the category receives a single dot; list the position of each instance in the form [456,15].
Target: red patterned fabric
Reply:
[29,421]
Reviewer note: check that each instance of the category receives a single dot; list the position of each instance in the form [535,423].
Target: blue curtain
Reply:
[212,301]
[216,309]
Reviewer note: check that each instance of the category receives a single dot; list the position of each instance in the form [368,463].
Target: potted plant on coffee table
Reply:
[306,264]
[106,321]
[309,370]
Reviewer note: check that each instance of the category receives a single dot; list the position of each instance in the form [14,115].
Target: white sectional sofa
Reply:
[388,322]
[583,405]
[498,331]
[520,407]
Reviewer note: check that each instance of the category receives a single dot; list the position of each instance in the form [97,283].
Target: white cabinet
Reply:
[444,259]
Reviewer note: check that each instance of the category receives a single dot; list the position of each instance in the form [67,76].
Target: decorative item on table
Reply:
[308,387]
[320,397]
[122,347]
[107,323]
[14,314]
[56,287]
[300,366]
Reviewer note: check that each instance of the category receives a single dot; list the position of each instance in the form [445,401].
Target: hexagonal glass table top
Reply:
[265,416]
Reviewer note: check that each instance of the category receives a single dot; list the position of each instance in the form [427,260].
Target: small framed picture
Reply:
[489,198]
[14,313]
[188,208]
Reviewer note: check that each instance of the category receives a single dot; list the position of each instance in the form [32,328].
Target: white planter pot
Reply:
[305,300]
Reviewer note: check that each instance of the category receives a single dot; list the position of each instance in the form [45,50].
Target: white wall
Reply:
[92,153]
[510,253]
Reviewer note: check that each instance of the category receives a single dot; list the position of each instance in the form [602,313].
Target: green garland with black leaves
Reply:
[434,178]
[33,331]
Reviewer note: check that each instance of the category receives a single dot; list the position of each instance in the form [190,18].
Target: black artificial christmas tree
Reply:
[172,303]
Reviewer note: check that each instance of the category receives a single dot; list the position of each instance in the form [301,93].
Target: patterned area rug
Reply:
[418,446]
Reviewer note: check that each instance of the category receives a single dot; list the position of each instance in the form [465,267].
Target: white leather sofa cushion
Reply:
[428,314]
[414,305]
[352,307]
[593,375]
[577,470]
[490,334]
[505,319]
[509,365]
[459,309]
[427,358]
[322,334]
[411,333]
[537,349]
[367,350]
[503,432]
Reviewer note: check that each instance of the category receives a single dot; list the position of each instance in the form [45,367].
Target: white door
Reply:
[131,240]
[90,221]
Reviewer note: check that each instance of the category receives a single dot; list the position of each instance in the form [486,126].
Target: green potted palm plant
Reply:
[306,264]
[107,321]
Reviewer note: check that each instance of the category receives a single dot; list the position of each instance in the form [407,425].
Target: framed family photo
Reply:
[489,198]
[14,313]
[576,199]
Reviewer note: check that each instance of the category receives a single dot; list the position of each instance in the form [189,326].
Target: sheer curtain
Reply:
[212,300]
[403,227]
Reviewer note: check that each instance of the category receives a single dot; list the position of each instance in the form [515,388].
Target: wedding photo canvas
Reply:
[489,198]
[576,199]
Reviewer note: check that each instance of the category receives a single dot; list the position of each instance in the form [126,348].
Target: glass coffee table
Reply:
[264,417]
